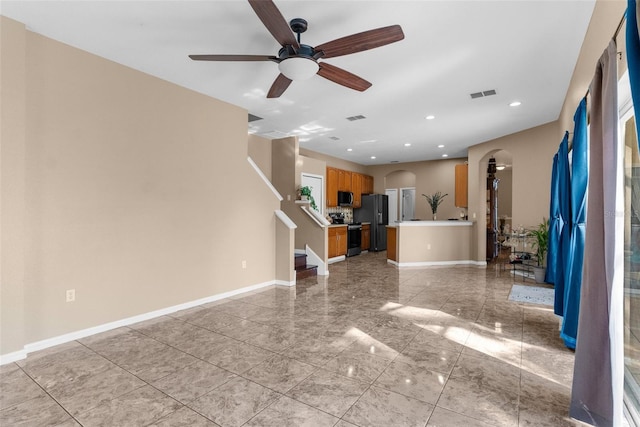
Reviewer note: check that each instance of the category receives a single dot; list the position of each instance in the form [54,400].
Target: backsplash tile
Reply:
[348,212]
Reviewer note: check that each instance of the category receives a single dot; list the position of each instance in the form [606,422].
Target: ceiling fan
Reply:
[297,61]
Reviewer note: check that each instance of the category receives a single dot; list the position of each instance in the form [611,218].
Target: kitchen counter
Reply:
[427,243]
[344,225]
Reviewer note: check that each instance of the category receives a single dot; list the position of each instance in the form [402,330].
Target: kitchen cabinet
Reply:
[337,237]
[344,180]
[392,243]
[367,184]
[356,188]
[366,237]
[332,187]
[461,176]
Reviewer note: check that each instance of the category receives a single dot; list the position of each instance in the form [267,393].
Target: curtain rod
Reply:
[615,36]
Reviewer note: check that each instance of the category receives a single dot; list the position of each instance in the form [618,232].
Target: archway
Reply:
[502,203]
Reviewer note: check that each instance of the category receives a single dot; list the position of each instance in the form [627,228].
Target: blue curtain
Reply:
[564,211]
[633,57]
[574,254]
[555,226]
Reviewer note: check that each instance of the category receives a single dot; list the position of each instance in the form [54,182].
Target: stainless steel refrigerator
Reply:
[375,209]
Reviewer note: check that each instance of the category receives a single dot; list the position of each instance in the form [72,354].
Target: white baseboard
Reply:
[336,259]
[12,357]
[72,336]
[437,263]
[285,282]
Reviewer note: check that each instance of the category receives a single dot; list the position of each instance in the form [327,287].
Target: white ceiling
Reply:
[525,50]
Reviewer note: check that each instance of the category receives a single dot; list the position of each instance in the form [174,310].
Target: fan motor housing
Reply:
[304,51]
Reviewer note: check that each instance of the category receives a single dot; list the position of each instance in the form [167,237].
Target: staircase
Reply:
[302,269]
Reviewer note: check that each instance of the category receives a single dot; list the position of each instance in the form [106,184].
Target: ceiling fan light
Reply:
[298,68]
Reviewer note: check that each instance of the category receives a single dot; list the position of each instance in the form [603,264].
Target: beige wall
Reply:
[430,176]
[12,184]
[604,21]
[285,242]
[128,180]
[532,153]
[505,192]
[399,179]
[434,244]
[334,161]
[533,149]
[287,165]
[284,153]
[260,152]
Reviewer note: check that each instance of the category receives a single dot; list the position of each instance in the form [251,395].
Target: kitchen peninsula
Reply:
[427,243]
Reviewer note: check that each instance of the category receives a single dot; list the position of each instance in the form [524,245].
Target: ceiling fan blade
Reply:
[342,77]
[279,86]
[234,58]
[361,41]
[275,22]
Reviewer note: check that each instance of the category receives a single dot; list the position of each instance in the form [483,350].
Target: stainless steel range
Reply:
[354,238]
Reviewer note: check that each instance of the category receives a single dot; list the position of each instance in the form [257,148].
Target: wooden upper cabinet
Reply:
[344,180]
[462,173]
[367,184]
[356,187]
[332,187]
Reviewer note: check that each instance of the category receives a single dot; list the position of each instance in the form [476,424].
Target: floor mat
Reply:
[532,294]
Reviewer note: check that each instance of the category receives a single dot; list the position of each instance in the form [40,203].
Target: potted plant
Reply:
[305,194]
[541,244]
[434,201]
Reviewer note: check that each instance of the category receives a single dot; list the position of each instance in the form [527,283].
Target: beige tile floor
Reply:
[370,345]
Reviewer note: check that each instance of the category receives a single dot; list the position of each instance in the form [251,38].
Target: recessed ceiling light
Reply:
[373,157]
[500,167]
[349,149]
[515,104]
[430,117]
[407,145]
[445,155]
[441,146]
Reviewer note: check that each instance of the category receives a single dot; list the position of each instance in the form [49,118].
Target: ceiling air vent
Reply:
[335,138]
[253,118]
[483,93]
[354,118]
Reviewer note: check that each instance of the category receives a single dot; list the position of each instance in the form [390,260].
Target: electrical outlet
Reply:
[71,295]
[474,215]
[428,246]
[244,264]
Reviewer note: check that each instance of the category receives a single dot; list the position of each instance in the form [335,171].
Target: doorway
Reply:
[392,193]
[408,206]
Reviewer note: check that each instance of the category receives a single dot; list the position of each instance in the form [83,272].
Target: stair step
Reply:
[306,271]
[300,260]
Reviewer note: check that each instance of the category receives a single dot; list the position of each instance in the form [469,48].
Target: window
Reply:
[632,254]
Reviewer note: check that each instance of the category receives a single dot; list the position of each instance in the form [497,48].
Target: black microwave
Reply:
[345,198]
